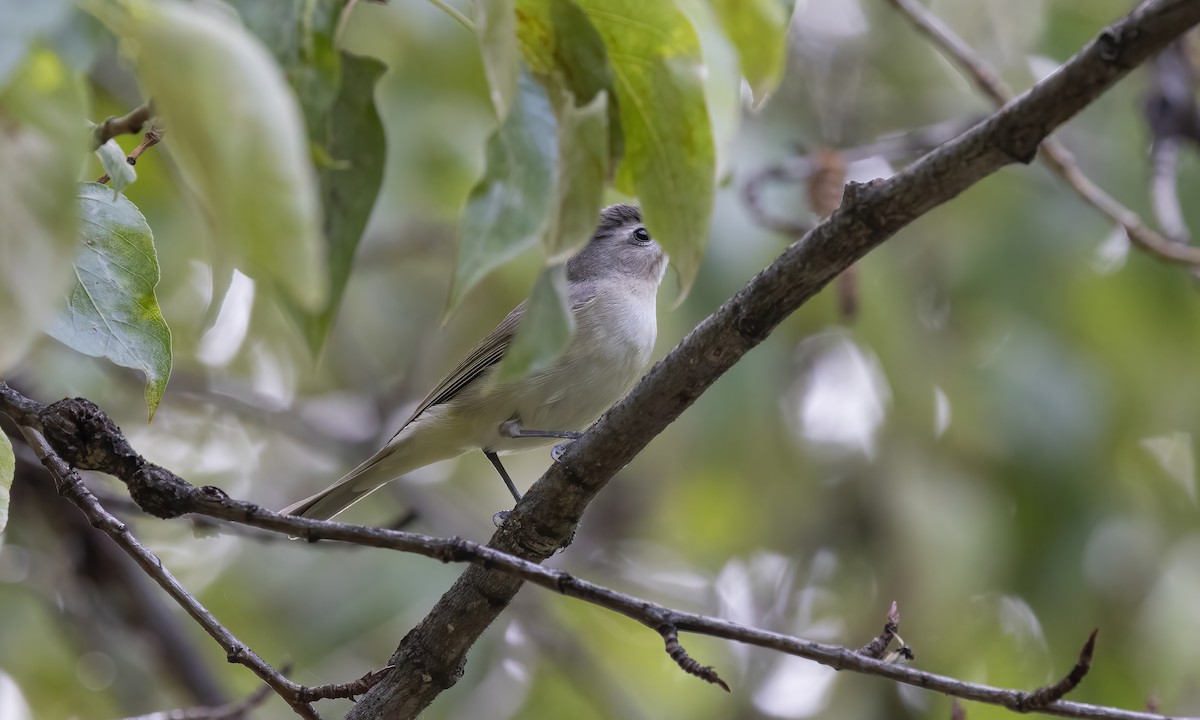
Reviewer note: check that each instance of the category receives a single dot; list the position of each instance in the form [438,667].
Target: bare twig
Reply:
[1053,153]
[153,137]
[128,124]
[877,647]
[800,168]
[670,636]
[349,690]
[71,486]
[1054,692]
[95,443]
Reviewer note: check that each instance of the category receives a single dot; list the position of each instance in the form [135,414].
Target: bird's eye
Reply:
[641,236]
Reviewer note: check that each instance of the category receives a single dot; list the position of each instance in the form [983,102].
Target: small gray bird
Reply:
[613,284]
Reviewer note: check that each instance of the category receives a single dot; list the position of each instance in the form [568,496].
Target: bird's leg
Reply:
[495,460]
[514,429]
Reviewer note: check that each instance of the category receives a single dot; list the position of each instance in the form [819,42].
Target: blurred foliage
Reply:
[1003,441]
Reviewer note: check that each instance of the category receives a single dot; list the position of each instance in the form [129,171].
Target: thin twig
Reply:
[1054,692]
[453,12]
[128,124]
[349,690]
[1053,153]
[670,636]
[71,486]
[107,450]
[153,137]
[877,647]
[798,169]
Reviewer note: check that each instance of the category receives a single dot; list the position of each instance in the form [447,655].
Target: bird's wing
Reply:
[487,353]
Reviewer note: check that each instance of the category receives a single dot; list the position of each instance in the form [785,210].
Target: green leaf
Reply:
[113,159]
[545,328]
[43,141]
[352,138]
[508,208]
[496,26]
[237,134]
[722,81]
[112,311]
[565,51]
[758,29]
[669,157]
[24,24]
[8,467]
[336,92]
[580,175]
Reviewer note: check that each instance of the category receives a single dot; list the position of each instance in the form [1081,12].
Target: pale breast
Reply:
[610,350]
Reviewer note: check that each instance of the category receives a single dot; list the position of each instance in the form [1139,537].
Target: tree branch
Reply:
[71,486]
[1053,154]
[128,124]
[430,657]
[82,432]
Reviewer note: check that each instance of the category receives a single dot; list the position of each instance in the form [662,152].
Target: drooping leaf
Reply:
[722,80]
[580,175]
[8,467]
[236,131]
[24,24]
[113,159]
[669,159]
[496,26]
[508,208]
[758,29]
[565,51]
[336,92]
[43,141]
[545,328]
[112,311]
[352,139]
[300,35]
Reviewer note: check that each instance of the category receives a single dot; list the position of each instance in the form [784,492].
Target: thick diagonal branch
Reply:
[431,656]
[1053,154]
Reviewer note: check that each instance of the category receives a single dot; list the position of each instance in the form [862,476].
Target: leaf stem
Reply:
[454,13]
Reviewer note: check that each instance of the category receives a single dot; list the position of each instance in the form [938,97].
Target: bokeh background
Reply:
[1002,440]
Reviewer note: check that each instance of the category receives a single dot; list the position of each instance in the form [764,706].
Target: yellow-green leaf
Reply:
[580,175]
[508,208]
[112,311]
[758,29]
[669,158]
[43,141]
[496,26]
[8,466]
[564,50]
[545,328]
[237,134]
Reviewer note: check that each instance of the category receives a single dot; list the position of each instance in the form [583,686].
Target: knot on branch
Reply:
[161,492]
[1109,45]
[83,435]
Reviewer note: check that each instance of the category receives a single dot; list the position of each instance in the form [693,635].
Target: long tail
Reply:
[375,472]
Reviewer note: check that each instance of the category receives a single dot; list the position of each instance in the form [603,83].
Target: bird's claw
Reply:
[500,517]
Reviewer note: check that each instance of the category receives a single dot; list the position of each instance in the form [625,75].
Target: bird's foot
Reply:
[559,449]
[500,517]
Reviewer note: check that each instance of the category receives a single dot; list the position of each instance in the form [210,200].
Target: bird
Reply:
[612,284]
